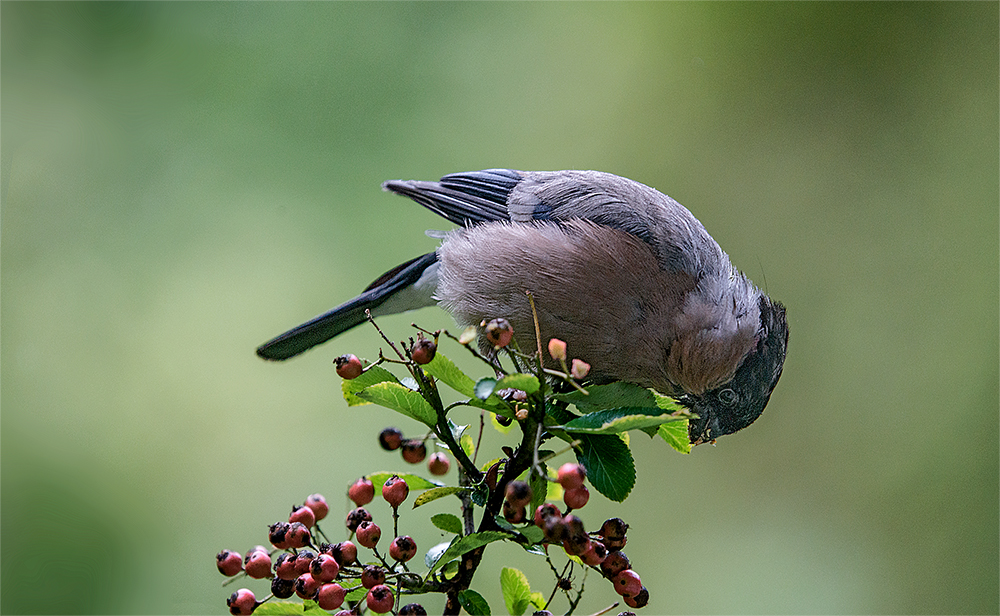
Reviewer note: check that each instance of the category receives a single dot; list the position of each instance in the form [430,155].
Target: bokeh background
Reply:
[180,182]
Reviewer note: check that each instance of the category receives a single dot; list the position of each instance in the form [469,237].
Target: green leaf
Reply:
[371,376]
[668,404]
[539,488]
[484,387]
[525,382]
[448,373]
[358,594]
[612,395]
[436,493]
[467,544]
[288,608]
[609,464]
[532,533]
[413,482]
[516,591]
[434,554]
[613,421]
[400,399]
[467,445]
[448,522]
[538,600]
[676,435]
[473,603]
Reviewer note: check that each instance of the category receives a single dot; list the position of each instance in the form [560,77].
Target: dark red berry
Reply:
[361,491]
[230,563]
[345,552]
[324,568]
[554,529]
[390,439]
[282,589]
[414,451]
[330,596]
[380,599]
[257,565]
[423,350]
[613,531]
[412,609]
[303,561]
[368,534]
[615,563]
[640,599]
[571,475]
[303,515]
[284,567]
[402,548]
[276,535]
[372,576]
[577,541]
[627,583]
[395,491]
[317,503]
[242,602]
[438,464]
[306,586]
[499,333]
[546,510]
[595,554]
[542,613]
[298,535]
[349,366]
[576,498]
[513,513]
[518,493]
[357,516]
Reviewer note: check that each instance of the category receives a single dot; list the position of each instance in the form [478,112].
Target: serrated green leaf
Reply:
[371,376]
[532,533]
[448,522]
[436,493]
[676,435]
[473,603]
[667,403]
[400,399]
[527,383]
[467,544]
[448,373]
[516,591]
[484,387]
[614,421]
[538,600]
[467,445]
[609,464]
[434,554]
[414,482]
[358,594]
[612,395]
[289,608]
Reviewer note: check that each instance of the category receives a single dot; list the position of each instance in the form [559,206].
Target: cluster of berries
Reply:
[414,450]
[599,550]
[321,574]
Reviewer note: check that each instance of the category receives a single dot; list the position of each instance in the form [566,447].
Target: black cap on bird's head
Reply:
[736,404]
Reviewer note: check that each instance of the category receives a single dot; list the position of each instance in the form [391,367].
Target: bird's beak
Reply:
[705,428]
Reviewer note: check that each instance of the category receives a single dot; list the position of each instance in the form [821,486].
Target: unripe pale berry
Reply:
[545,510]
[330,596]
[390,439]
[368,534]
[579,369]
[412,609]
[361,491]
[230,563]
[317,503]
[284,567]
[395,491]
[380,599]
[499,333]
[518,493]
[438,464]
[576,498]
[324,568]
[640,599]
[414,451]
[372,576]
[277,533]
[615,563]
[423,350]
[298,535]
[627,583]
[306,586]
[257,565]
[356,517]
[349,366]
[557,349]
[403,548]
[302,514]
[242,602]
[281,588]
[571,475]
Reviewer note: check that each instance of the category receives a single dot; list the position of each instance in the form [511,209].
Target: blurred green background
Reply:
[180,182]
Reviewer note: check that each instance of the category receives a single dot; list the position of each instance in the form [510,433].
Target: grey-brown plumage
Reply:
[624,274]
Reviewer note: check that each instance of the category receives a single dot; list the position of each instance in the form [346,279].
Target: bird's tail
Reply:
[407,286]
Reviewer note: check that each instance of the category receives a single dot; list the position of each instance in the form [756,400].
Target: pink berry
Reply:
[306,586]
[361,491]
[317,503]
[395,491]
[640,599]
[414,451]
[356,517]
[390,439]
[368,534]
[242,602]
[402,548]
[576,498]
[230,563]
[330,596]
[615,563]
[423,350]
[298,535]
[438,464]
[499,333]
[380,599]
[546,510]
[557,349]
[257,565]
[349,366]
[277,534]
[345,552]
[627,583]
[324,568]
[372,576]
[303,561]
[284,567]
[571,475]
[303,515]
[579,369]
[515,514]
[518,493]
[595,554]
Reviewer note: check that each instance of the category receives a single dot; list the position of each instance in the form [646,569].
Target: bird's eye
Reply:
[727,396]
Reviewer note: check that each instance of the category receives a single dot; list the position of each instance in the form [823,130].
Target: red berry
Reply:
[324,568]
[414,451]
[613,531]
[576,498]
[368,534]
[372,576]
[403,548]
[298,535]
[554,529]
[438,464]
[277,533]
[330,596]
[303,561]
[284,567]
[356,517]
[627,583]
[395,491]
[640,599]
[615,563]
[306,586]
[317,503]
[349,366]
[242,602]
[546,510]
[282,589]
[230,563]
[518,493]
[412,609]
[361,491]
[571,475]
[390,439]
[345,552]
[380,599]
[499,333]
[595,554]
[423,350]
[577,541]
[257,564]
[303,515]
[513,513]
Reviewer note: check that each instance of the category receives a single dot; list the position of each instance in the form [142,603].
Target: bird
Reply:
[624,274]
